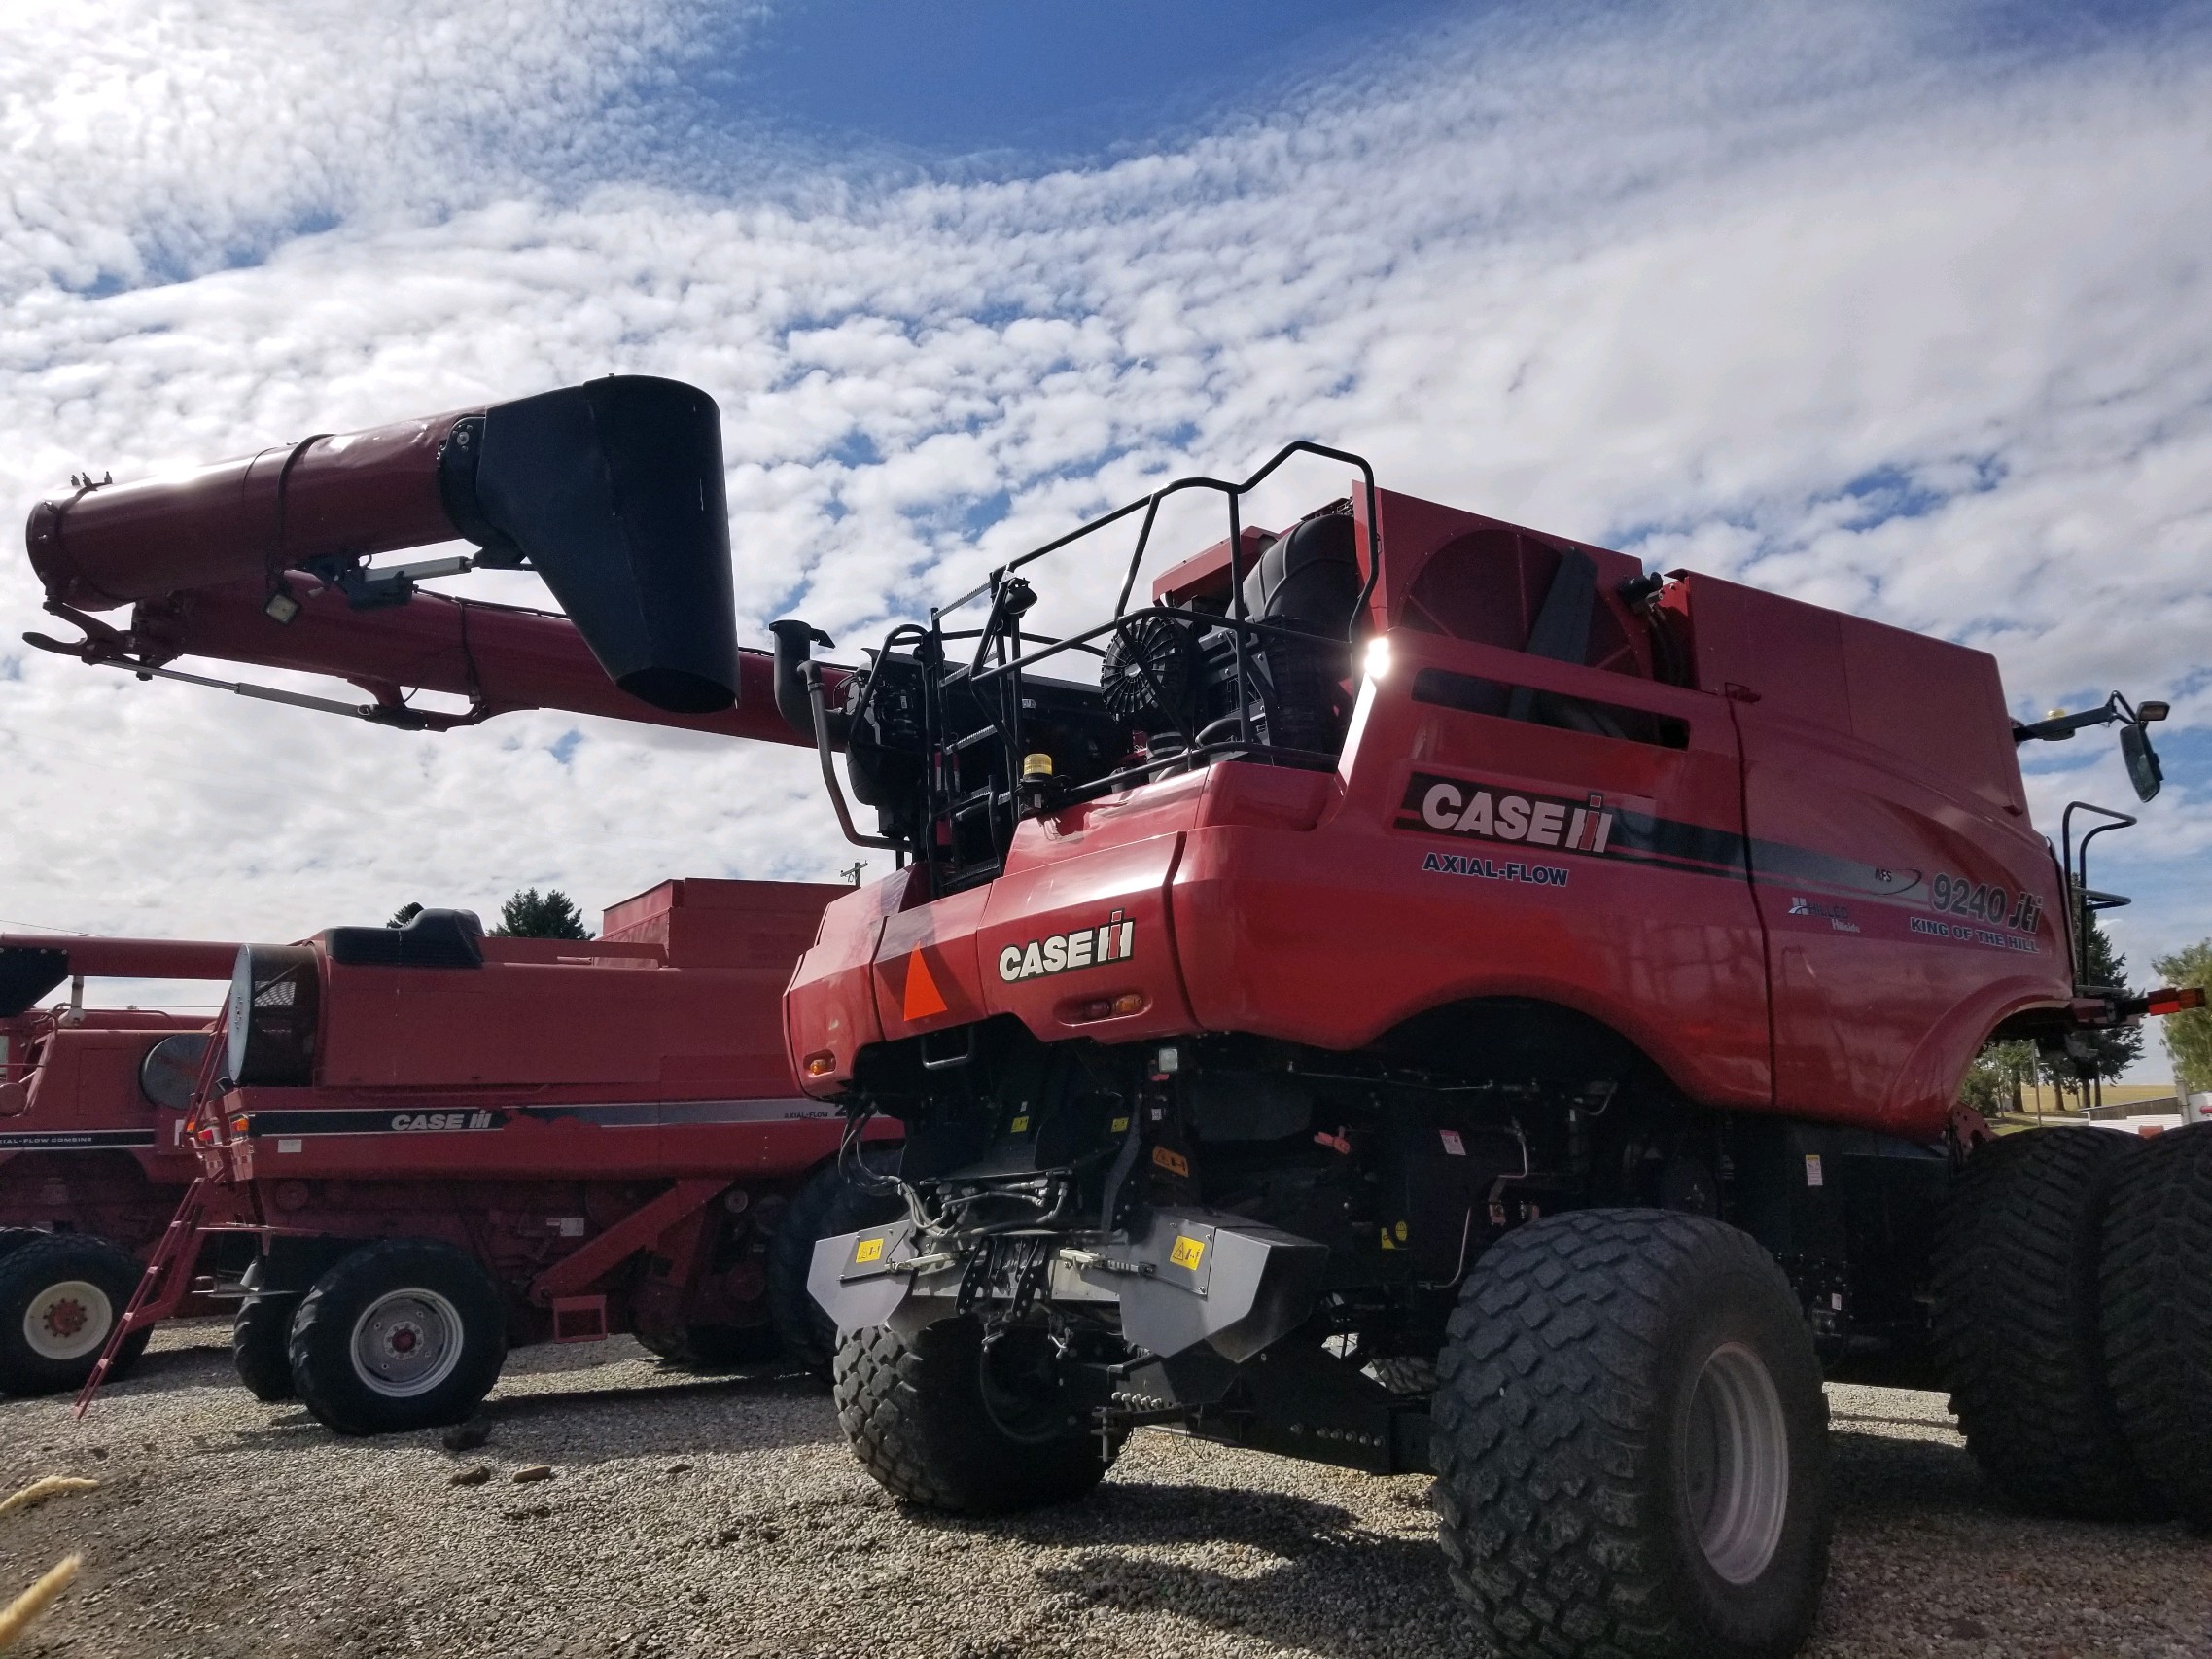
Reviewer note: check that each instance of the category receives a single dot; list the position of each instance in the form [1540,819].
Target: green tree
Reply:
[528,916]
[2119,1046]
[2189,1036]
[1993,1083]
[404,914]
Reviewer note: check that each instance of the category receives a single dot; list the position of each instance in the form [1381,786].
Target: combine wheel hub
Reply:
[406,1343]
[68,1321]
[1736,1464]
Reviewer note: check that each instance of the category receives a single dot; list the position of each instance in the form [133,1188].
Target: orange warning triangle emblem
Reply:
[922,997]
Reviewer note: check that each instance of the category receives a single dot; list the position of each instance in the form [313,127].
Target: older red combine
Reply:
[418,1147]
[1420,994]
[92,1162]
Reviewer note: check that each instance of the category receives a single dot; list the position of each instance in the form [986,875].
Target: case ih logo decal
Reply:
[1458,808]
[1064,953]
[415,1120]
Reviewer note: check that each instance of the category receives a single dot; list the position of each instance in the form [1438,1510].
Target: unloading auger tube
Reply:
[611,491]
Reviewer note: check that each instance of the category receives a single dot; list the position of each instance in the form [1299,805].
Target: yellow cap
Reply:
[1037,767]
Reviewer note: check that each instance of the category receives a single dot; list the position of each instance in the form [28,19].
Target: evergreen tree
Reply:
[2120,1046]
[528,916]
[404,914]
[2189,1036]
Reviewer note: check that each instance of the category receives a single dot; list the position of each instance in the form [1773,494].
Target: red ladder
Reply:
[162,1287]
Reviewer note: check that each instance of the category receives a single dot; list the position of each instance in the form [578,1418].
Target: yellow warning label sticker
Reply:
[868,1250]
[1120,1125]
[1019,1126]
[1171,1160]
[1188,1253]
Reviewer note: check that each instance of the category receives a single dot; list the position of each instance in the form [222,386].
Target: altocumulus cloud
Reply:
[1865,303]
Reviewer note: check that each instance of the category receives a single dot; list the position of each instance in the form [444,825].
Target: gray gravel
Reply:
[686,1516]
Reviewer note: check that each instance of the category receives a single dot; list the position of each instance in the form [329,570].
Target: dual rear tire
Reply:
[2155,1283]
[2017,1326]
[400,1334]
[2074,1320]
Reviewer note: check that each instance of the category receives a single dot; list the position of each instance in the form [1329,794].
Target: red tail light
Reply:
[2174,1000]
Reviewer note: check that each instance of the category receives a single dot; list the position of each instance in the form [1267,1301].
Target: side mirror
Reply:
[2143,769]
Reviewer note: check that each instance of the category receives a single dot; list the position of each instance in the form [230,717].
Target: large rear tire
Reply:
[2016,1337]
[825,1207]
[261,1346]
[2157,1281]
[60,1295]
[1630,1442]
[940,1422]
[404,1333]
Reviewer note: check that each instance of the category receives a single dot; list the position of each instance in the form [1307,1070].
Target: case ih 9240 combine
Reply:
[1438,997]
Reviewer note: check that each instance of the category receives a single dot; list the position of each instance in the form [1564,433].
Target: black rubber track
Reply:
[826,1205]
[913,1413]
[1559,1421]
[2156,1277]
[261,1346]
[2016,1328]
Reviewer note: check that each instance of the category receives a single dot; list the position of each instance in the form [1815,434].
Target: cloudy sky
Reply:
[1905,308]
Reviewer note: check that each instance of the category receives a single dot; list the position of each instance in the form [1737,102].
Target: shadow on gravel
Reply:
[582,1427]
[1878,1478]
[161,1371]
[1301,1576]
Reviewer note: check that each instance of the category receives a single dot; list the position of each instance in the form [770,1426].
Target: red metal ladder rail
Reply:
[167,1279]
[160,1290]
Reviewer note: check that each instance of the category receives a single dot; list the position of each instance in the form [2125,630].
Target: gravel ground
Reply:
[687,1517]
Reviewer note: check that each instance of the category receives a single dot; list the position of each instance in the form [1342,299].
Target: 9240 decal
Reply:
[1985,902]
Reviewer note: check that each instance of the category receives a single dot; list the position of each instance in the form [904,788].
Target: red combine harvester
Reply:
[1421,995]
[1443,999]
[439,1146]
[93,1163]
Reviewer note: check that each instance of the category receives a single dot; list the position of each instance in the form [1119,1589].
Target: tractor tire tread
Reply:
[826,1206]
[2156,1284]
[1547,1403]
[890,1397]
[2015,1329]
[88,1254]
[261,1347]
